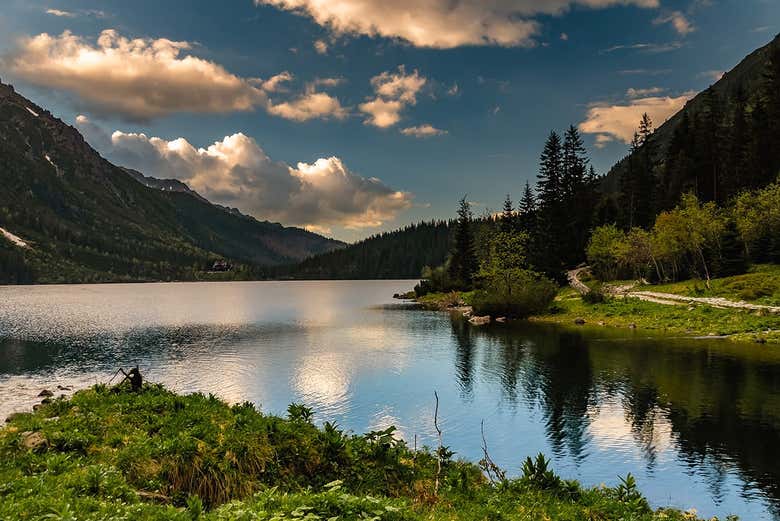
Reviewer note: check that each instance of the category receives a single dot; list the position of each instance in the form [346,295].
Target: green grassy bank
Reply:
[760,286]
[156,455]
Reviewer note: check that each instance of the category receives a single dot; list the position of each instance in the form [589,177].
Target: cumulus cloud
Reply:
[421,131]
[144,78]
[678,21]
[713,75]
[393,91]
[276,83]
[236,172]
[321,46]
[441,23]
[138,78]
[311,105]
[642,93]
[619,122]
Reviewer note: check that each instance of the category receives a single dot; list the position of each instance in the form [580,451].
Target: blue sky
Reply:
[394,109]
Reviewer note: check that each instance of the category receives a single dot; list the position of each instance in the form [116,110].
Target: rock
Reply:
[602,323]
[760,340]
[632,326]
[33,440]
[579,321]
[64,388]
[36,406]
[467,313]
[479,321]
[501,319]
[46,401]
[45,392]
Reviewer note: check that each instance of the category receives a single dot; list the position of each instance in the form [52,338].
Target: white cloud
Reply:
[649,48]
[276,83]
[422,131]
[643,93]
[564,37]
[712,75]
[138,79]
[144,78]
[441,23]
[620,121]
[678,21]
[394,91]
[311,105]
[236,172]
[321,46]
[60,13]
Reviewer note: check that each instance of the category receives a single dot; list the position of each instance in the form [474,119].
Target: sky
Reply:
[352,117]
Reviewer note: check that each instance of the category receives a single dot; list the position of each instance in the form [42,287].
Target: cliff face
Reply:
[83,215]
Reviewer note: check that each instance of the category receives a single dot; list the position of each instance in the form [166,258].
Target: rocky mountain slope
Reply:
[84,219]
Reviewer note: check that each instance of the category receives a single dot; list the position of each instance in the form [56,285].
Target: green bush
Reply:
[532,297]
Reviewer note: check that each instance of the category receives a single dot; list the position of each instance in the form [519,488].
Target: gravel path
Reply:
[669,298]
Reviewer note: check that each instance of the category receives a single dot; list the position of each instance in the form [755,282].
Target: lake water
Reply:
[696,421]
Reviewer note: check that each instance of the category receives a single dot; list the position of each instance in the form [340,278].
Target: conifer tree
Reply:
[550,166]
[463,262]
[508,219]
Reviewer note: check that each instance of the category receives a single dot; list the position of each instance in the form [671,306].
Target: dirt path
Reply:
[668,298]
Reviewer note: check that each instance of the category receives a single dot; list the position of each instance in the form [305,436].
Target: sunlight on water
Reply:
[697,422]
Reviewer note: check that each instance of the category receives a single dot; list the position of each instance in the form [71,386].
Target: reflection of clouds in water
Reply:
[323,381]
[612,430]
[385,418]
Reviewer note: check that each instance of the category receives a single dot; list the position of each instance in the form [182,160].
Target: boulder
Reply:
[33,440]
[501,319]
[479,321]
[44,393]
[579,321]
[632,326]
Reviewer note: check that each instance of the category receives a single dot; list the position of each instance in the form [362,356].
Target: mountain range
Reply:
[83,219]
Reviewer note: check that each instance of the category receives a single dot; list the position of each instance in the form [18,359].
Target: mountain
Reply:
[399,254]
[705,130]
[85,219]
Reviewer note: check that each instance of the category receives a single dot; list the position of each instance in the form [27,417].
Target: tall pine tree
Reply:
[463,261]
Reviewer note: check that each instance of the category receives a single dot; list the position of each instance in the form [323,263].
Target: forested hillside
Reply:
[82,219]
[726,139]
[401,253]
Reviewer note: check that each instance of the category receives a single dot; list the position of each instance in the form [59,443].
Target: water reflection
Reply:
[698,422]
[716,405]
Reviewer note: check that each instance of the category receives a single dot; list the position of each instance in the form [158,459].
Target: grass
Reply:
[761,285]
[696,320]
[157,455]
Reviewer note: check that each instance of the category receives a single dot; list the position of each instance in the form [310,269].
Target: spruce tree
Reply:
[550,173]
[463,262]
[527,210]
[507,223]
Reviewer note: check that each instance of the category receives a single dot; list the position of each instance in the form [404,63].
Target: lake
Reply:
[697,422]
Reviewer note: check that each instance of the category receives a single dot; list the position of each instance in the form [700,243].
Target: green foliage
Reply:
[399,254]
[154,455]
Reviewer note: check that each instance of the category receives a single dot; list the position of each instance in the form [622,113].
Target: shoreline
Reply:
[155,454]
[694,322]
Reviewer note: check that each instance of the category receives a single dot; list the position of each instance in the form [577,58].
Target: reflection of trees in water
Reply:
[723,408]
[464,337]
[550,367]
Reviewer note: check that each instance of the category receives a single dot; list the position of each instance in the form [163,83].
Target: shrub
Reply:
[534,296]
